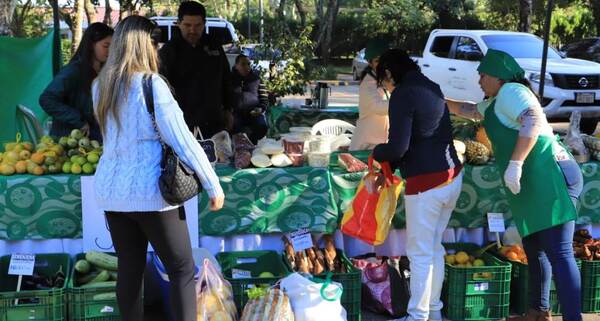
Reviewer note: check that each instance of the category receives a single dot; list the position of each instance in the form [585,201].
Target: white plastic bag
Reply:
[214,296]
[574,140]
[313,301]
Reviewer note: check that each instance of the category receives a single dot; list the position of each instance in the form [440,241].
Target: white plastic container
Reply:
[318,159]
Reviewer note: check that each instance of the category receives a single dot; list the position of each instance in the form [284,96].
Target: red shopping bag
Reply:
[370,216]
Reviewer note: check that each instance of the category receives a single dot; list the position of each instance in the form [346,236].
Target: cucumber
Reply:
[113,275]
[102,260]
[86,278]
[100,284]
[83,266]
[103,276]
[105,296]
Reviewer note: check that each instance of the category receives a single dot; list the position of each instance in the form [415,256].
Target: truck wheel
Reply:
[588,125]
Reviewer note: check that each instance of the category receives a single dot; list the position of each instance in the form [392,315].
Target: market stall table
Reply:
[259,201]
[281,118]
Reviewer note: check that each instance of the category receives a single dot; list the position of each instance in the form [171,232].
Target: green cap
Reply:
[375,48]
[501,65]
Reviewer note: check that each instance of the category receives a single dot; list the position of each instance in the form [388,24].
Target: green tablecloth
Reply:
[271,200]
[281,118]
[259,201]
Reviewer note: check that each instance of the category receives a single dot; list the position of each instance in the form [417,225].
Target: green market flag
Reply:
[25,71]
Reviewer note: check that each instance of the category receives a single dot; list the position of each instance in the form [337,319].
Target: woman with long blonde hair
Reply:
[126,180]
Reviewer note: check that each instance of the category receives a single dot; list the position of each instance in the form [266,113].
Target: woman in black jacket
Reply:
[420,145]
[68,97]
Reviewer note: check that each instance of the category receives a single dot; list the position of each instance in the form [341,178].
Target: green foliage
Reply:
[571,23]
[30,19]
[65,49]
[289,74]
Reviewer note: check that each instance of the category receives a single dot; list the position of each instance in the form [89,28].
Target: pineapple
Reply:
[477,153]
[465,129]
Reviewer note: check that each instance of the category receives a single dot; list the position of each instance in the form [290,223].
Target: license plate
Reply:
[585,98]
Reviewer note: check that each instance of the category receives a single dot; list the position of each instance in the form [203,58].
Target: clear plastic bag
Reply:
[273,306]
[214,296]
[574,141]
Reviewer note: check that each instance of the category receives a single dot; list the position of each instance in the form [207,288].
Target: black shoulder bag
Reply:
[177,182]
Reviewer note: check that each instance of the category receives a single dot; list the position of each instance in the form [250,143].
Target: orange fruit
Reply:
[21,167]
[38,170]
[37,158]
[512,256]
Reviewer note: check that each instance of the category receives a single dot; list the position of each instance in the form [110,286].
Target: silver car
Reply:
[359,64]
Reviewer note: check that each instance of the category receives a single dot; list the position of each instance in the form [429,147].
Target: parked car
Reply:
[359,64]
[451,58]
[588,49]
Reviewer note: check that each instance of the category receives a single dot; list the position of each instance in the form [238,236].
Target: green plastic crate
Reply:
[519,288]
[256,262]
[84,306]
[41,305]
[351,283]
[590,284]
[476,293]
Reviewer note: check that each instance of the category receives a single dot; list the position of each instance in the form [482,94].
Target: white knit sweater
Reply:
[126,179]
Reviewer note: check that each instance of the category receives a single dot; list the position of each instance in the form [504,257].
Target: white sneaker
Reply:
[435,316]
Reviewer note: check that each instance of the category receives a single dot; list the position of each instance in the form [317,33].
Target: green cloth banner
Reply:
[260,201]
[26,66]
[281,118]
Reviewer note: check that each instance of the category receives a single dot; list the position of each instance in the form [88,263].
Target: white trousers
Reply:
[427,216]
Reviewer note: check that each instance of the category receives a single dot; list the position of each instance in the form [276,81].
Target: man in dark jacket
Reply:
[196,67]
[248,105]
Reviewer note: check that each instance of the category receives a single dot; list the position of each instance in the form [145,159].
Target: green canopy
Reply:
[26,65]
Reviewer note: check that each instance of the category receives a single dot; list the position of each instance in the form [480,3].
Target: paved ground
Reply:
[348,95]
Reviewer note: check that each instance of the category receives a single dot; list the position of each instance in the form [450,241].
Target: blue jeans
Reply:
[550,252]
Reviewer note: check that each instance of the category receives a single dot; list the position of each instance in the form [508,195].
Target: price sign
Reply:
[301,239]
[240,274]
[496,222]
[21,264]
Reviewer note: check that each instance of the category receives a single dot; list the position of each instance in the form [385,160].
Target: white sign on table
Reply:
[96,234]
[21,264]
[301,239]
[496,222]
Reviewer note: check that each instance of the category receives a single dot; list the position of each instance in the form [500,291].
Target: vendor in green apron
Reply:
[543,181]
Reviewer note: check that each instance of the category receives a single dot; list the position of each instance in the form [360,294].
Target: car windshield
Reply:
[519,46]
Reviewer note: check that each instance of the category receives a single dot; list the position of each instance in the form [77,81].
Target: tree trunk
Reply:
[107,13]
[525,13]
[90,12]
[301,12]
[7,7]
[78,12]
[332,10]
[595,6]
[319,9]
[281,10]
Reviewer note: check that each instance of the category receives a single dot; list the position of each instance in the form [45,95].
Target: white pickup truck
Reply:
[451,58]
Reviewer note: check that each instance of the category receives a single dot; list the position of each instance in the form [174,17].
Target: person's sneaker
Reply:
[435,316]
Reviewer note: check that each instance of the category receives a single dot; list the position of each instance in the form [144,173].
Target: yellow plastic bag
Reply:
[370,216]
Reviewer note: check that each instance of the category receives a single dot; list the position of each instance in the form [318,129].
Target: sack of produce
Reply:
[314,299]
[385,284]
[223,146]
[268,305]
[214,296]
[574,141]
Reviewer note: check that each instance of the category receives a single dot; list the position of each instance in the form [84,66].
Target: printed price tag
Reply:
[21,264]
[240,274]
[301,239]
[482,286]
[496,222]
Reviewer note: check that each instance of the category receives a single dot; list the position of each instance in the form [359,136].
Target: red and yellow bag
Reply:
[370,216]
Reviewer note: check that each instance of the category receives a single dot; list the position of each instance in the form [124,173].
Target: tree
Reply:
[107,13]
[595,6]
[77,24]
[525,12]
[301,12]
[90,11]
[326,27]
[7,7]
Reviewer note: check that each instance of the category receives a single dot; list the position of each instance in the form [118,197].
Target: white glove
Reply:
[512,176]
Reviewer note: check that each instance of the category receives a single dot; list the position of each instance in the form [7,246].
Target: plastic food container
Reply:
[318,159]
